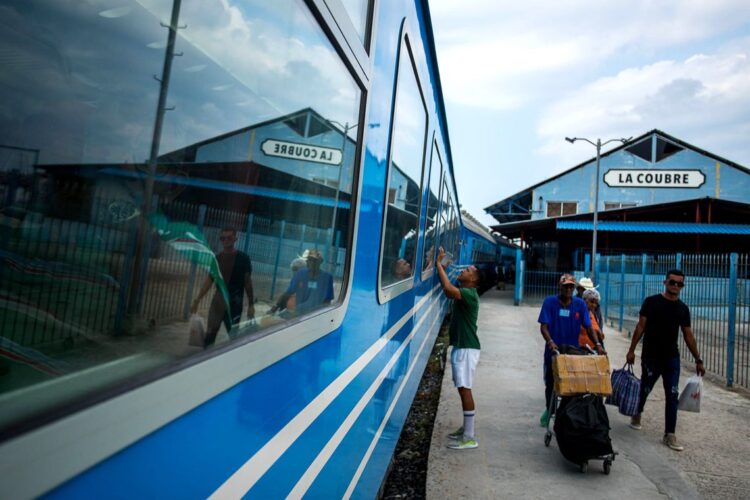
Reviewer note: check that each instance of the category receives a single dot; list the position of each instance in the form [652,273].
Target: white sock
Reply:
[469,424]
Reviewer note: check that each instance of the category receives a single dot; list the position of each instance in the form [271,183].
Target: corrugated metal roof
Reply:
[654,227]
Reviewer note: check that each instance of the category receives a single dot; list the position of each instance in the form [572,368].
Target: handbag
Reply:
[690,398]
[629,396]
[626,388]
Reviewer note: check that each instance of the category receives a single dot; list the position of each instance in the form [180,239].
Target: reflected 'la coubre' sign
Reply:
[304,152]
[654,178]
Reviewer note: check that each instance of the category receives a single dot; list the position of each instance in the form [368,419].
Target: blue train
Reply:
[219,225]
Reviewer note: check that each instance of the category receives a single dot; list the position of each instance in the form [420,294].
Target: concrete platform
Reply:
[512,461]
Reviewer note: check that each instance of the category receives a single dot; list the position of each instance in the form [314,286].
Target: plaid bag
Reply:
[628,394]
[618,378]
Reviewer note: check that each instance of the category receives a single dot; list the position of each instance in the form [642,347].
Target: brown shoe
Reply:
[635,422]
[671,441]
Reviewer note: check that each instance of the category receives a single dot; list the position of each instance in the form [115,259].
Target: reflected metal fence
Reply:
[717,293]
[66,279]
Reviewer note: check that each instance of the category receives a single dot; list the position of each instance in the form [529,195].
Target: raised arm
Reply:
[448,288]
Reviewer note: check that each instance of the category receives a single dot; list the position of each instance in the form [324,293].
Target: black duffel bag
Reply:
[582,428]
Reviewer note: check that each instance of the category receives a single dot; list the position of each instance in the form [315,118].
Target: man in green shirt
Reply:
[463,338]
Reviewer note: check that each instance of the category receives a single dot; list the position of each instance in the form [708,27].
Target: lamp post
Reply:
[346,128]
[598,145]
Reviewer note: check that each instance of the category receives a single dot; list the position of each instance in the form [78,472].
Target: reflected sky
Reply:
[79,77]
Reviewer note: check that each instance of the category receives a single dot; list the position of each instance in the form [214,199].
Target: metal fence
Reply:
[717,292]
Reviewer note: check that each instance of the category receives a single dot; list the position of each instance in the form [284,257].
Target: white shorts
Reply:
[464,364]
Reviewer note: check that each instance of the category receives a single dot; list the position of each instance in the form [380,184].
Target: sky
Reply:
[518,77]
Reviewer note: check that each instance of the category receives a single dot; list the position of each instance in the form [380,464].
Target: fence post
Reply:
[302,238]
[587,264]
[606,291]
[194,266]
[278,257]
[248,231]
[678,260]
[597,266]
[643,277]
[125,277]
[518,289]
[336,252]
[731,317]
[622,290]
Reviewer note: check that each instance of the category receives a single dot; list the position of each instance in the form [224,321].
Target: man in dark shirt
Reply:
[463,337]
[560,322]
[236,270]
[661,318]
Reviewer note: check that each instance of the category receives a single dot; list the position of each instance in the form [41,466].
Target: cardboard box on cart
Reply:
[579,374]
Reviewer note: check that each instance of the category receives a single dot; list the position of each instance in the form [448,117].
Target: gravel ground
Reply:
[409,468]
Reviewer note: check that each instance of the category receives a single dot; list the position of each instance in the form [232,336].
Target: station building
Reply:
[657,194]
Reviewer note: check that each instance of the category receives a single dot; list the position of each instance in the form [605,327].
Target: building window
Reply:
[560,208]
[641,149]
[665,149]
[408,138]
[614,205]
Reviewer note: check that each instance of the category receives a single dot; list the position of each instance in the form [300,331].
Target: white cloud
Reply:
[496,53]
[685,98]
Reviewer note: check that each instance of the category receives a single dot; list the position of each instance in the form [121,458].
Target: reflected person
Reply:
[310,287]
[236,271]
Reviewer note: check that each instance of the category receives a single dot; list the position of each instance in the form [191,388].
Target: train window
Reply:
[444,219]
[431,216]
[408,137]
[357,10]
[153,210]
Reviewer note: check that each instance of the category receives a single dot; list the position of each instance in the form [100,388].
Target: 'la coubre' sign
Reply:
[654,178]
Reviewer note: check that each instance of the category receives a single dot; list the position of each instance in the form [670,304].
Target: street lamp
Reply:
[598,145]
[346,128]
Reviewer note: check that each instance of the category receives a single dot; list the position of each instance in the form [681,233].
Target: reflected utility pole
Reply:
[334,253]
[134,299]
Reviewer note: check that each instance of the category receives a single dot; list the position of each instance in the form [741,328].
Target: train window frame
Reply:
[347,26]
[388,292]
[237,359]
[429,271]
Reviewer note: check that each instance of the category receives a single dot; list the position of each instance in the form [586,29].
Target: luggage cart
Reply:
[607,459]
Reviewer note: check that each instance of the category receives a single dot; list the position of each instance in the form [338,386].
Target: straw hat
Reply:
[587,283]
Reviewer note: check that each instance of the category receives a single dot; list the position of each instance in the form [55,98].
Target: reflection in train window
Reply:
[357,10]
[445,217]
[431,216]
[150,211]
[408,136]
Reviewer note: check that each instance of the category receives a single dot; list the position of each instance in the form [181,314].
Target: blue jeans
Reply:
[669,371]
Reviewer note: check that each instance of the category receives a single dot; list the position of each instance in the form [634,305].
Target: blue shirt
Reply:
[310,292]
[564,323]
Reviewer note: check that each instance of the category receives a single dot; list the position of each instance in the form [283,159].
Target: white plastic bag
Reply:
[690,399]
[197,331]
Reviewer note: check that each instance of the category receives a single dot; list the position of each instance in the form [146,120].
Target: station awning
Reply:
[654,227]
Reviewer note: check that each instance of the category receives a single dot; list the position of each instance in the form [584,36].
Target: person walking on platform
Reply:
[465,342]
[561,319]
[661,318]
